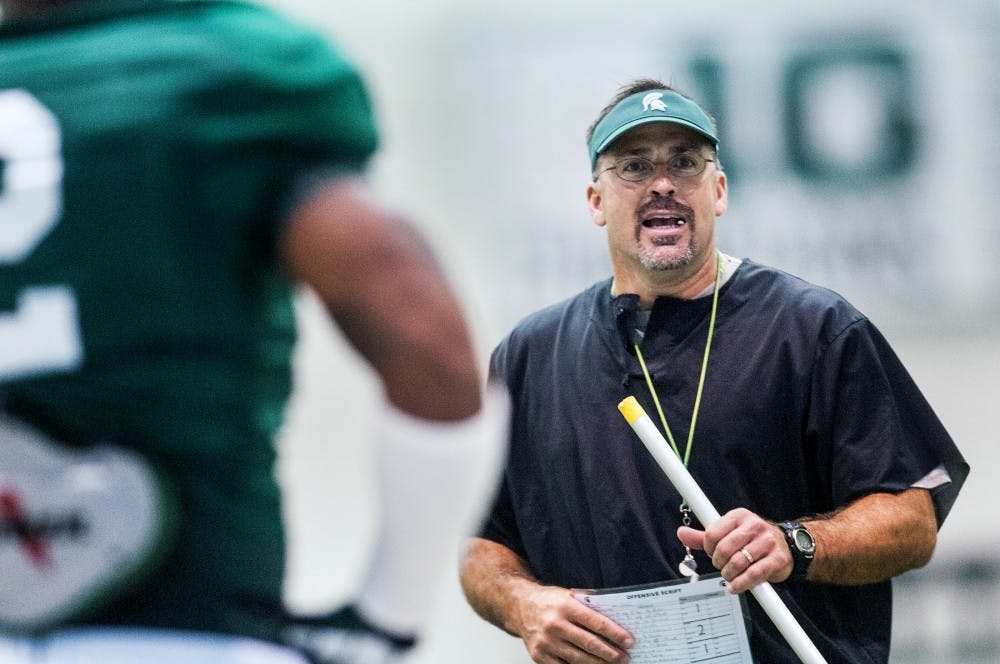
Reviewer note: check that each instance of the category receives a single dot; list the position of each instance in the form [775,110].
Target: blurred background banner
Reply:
[862,145]
[860,139]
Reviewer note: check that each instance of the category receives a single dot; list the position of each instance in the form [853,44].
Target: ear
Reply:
[594,200]
[721,193]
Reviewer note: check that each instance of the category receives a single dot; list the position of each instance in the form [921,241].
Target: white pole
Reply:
[707,514]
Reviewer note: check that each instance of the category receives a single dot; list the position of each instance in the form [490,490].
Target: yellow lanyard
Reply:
[701,380]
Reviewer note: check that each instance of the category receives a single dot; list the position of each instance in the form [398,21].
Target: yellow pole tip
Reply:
[631,409]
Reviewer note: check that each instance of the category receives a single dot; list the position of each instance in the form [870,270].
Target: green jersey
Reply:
[148,149]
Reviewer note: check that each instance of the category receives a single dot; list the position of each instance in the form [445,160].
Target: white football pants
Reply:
[107,645]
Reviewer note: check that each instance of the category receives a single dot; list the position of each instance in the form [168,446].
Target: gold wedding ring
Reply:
[747,555]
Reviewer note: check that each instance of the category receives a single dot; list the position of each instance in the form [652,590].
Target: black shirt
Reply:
[805,409]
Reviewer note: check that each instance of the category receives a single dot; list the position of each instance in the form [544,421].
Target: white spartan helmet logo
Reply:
[652,102]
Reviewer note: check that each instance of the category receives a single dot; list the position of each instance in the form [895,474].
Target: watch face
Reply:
[804,541]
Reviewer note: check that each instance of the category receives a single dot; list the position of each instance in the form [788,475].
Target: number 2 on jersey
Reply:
[42,333]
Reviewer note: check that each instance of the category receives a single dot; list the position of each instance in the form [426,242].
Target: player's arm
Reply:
[437,442]
[381,284]
[554,626]
[874,538]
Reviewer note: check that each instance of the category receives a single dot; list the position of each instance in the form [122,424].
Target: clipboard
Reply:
[678,621]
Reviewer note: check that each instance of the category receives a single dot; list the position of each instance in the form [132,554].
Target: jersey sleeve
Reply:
[873,426]
[281,82]
[285,102]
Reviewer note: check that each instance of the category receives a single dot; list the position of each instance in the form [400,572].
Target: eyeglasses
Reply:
[639,169]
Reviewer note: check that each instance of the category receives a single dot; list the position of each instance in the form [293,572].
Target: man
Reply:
[169,171]
[784,401]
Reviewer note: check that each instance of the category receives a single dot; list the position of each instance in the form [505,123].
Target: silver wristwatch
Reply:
[802,545]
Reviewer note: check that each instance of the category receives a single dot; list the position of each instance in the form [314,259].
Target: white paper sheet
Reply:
[677,622]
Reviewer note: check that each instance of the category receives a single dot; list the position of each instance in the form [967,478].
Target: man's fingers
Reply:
[585,647]
[613,635]
[690,537]
[575,645]
[737,568]
[596,647]
[565,630]
[728,523]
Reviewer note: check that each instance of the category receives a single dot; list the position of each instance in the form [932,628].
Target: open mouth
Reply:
[665,215]
[664,221]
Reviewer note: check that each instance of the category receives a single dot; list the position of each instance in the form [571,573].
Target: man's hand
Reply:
[875,538]
[557,628]
[747,549]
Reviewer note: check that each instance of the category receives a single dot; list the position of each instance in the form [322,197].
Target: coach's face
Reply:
[666,221]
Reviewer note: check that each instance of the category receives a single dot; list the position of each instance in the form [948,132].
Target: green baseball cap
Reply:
[649,106]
